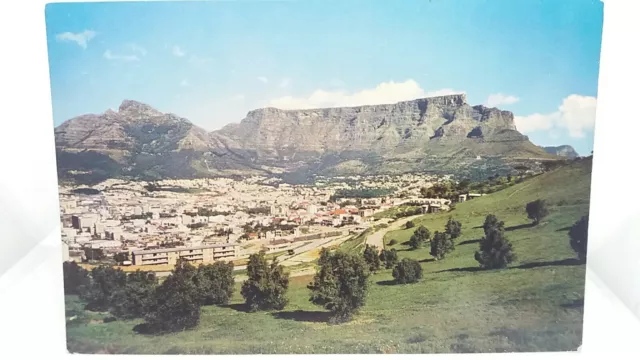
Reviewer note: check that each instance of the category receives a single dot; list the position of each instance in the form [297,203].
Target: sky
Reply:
[212,62]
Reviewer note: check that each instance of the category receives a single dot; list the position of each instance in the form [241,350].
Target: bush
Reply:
[121,257]
[441,244]
[105,281]
[340,285]
[215,283]
[491,221]
[409,225]
[407,271]
[75,278]
[134,300]
[578,235]
[371,257]
[453,228]
[419,237]
[389,258]
[267,285]
[393,242]
[176,302]
[495,250]
[537,210]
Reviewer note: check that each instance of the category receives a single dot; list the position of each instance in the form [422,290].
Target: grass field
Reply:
[535,305]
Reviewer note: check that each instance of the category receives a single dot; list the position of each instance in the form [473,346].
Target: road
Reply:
[377,238]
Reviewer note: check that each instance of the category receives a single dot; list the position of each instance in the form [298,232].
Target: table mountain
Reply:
[438,134]
[563,150]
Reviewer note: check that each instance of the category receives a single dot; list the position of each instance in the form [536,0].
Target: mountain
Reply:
[562,150]
[439,134]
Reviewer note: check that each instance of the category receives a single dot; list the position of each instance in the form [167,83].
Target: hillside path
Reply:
[377,238]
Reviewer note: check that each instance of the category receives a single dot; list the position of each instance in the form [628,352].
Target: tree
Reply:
[537,210]
[453,228]
[389,258]
[340,285]
[215,283]
[92,254]
[441,244]
[105,281]
[419,237]
[393,242]
[371,257]
[407,271]
[495,250]
[578,235]
[121,257]
[176,302]
[134,300]
[75,278]
[409,225]
[491,221]
[267,285]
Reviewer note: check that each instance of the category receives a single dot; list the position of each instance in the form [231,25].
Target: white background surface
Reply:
[31,291]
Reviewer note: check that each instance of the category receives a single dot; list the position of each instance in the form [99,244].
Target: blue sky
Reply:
[213,61]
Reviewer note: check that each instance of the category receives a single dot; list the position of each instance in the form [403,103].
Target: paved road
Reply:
[377,238]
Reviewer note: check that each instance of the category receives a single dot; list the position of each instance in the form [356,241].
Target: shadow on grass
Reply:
[427,260]
[474,241]
[146,329]
[478,227]
[465,269]
[575,304]
[566,228]
[406,243]
[565,262]
[386,282]
[304,316]
[519,227]
[242,307]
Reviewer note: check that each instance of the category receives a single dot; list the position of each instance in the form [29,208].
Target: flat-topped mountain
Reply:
[439,134]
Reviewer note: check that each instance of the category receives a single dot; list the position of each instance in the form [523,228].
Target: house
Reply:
[197,254]
[462,198]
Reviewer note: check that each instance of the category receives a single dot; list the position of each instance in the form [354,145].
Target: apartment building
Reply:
[199,254]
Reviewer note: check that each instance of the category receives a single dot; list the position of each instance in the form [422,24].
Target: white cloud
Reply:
[177,51]
[263,79]
[285,82]
[137,49]
[185,83]
[501,99]
[384,93]
[238,97]
[576,115]
[81,38]
[120,57]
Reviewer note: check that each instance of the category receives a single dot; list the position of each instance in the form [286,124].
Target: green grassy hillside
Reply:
[535,305]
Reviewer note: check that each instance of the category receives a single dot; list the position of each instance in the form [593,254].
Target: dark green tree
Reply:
[389,258]
[120,257]
[578,235]
[340,285]
[371,257]
[393,242]
[215,282]
[92,254]
[441,244]
[134,300]
[496,250]
[453,228]
[267,285]
[537,210]
[409,224]
[407,271]
[75,278]
[419,237]
[105,281]
[491,221]
[176,302]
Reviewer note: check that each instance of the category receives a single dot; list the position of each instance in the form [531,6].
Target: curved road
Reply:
[377,238]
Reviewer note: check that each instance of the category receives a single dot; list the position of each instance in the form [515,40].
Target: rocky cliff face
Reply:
[563,150]
[433,134]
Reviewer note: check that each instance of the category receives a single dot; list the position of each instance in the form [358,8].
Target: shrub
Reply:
[537,210]
[215,283]
[441,244]
[578,235]
[453,228]
[176,302]
[393,242]
[340,285]
[419,237]
[267,285]
[371,257]
[105,281]
[495,250]
[75,278]
[407,271]
[134,300]
[409,225]
[389,258]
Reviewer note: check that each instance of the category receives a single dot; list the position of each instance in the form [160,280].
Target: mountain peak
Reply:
[136,107]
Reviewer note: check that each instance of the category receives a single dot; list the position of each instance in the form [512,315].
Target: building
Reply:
[462,198]
[84,222]
[198,254]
